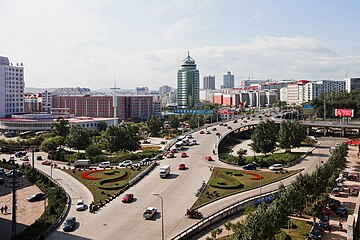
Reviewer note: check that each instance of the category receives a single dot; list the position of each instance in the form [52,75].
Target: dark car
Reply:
[2,181]
[12,173]
[128,198]
[324,221]
[316,232]
[36,197]
[342,212]
[354,191]
[333,204]
[69,224]
[39,158]
[249,167]
[235,121]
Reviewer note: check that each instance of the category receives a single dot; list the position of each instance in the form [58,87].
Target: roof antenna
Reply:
[188,53]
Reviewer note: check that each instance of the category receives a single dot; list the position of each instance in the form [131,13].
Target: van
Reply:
[104,164]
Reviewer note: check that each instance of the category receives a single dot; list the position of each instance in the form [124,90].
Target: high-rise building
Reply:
[228,80]
[164,90]
[209,82]
[11,88]
[188,84]
[141,91]
[352,84]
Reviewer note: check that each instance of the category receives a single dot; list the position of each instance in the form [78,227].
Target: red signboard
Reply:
[344,112]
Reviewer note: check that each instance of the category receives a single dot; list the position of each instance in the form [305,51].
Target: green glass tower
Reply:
[188,84]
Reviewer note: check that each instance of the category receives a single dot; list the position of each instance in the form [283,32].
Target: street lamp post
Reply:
[162,214]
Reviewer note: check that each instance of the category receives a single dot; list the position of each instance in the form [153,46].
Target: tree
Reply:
[102,126]
[227,226]
[264,137]
[290,135]
[93,150]
[78,137]
[122,137]
[154,125]
[61,127]
[51,144]
[174,121]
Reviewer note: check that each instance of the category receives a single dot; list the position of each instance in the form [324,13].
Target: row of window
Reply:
[13,69]
[13,100]
[14,91]
[14,110]
[14,78]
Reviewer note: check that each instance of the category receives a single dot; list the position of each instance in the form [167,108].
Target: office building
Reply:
[164,90]
[352,84]
[188,84]
[209,82]
[11,88]
[228,80]
[129,107]
[141,91]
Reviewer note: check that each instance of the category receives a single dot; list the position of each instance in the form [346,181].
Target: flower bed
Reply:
[256,176]
[85,175]
[117,181]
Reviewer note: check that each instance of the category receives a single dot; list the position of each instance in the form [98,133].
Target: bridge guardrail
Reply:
[225,212]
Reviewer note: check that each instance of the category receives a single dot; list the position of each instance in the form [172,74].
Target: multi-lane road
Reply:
[178,191]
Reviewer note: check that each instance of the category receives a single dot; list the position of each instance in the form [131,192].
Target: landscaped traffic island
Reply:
[224,182]
[105,183]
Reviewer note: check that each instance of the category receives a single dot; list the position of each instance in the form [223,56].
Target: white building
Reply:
[209,82]
[313,90]
[141,91]
[46,101]
[11,88]
[352,84]
[164,90]
[207,95]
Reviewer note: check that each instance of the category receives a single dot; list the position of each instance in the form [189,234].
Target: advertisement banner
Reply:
[344,112]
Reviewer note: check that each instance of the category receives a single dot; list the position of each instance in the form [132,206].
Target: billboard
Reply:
[308,110]
[193,111]
[344,112]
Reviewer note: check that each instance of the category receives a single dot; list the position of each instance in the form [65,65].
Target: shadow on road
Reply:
[172,176]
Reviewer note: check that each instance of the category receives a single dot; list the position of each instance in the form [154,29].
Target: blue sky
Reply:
[87,43]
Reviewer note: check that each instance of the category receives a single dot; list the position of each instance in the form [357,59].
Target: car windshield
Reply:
[80,203]
[68,222]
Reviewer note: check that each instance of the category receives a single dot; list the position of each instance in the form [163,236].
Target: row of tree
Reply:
[267,134]
[267,220]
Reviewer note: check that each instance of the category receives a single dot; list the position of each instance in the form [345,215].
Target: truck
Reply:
[82,163]
[149,212]
[164,171]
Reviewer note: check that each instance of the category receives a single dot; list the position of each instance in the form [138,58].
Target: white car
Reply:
[125,163]
[276,167]
[80,205]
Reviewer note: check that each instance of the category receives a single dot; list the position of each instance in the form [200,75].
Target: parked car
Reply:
[194,141]
[36,197]
[2,181]
[249,166]
[128,198]
[104,164]
[184,155]
[324,221]
[352,177]
[189,136]
[46,162]
[342,212]
[125,163]
[12,173]
[325,211]
[229,127]
[80,205]
[276,167]
[20,154]
[218,134]
[39,158]
[214,129]
[69,224]
[209,158]
[145,160]
[336,191]
[225,125]
[170,155]
[24,158]
[235,121]
[201,132]
[333,204]
[316,232]
[354,191]
[182,166]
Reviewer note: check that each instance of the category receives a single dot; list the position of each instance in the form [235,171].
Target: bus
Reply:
[27,134]
[179,145]
[9,134]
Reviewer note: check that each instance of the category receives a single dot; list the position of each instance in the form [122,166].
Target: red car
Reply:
[229,127]
[209,158]
[46,162]
[325,211]
[182,166]
[173,150]
[184,155]
[201,132]
[128,198]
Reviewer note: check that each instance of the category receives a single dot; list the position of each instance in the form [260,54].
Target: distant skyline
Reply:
[88,43]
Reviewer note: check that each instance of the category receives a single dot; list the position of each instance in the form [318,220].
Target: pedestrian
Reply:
[5,209]
[2,210]
[340,226]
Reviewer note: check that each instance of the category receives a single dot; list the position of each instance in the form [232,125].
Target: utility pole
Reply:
[33,158]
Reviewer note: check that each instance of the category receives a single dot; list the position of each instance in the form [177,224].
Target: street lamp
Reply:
[162,214]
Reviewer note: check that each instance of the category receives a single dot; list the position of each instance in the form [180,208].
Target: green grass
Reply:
[213,193]
[101,194]
[299,231]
